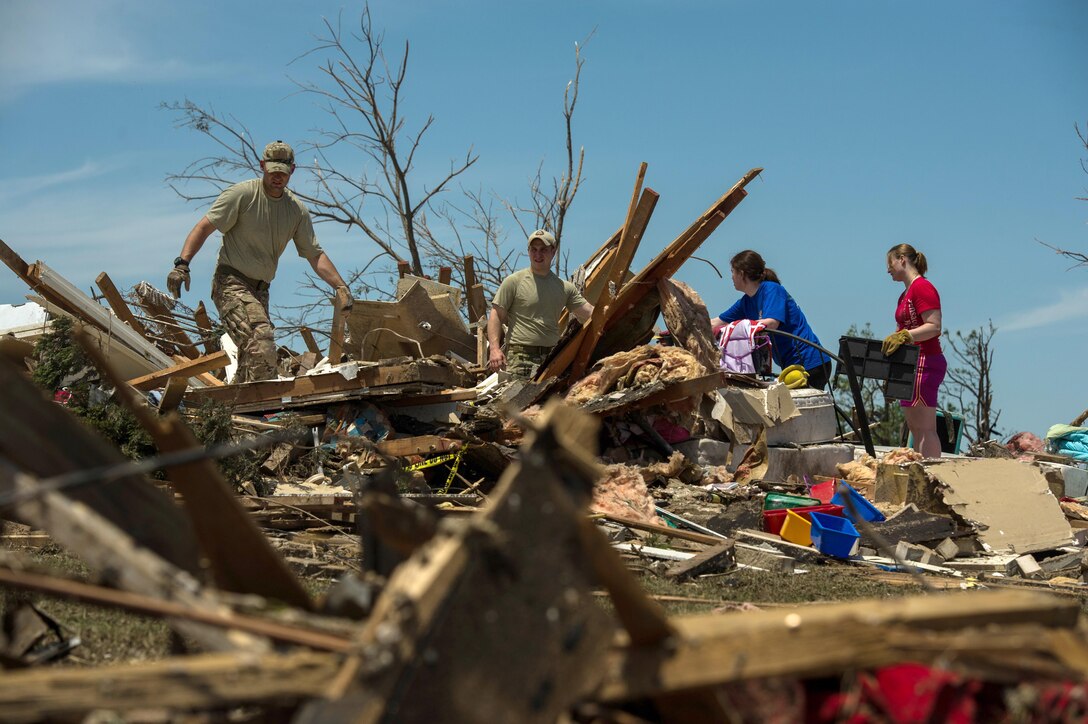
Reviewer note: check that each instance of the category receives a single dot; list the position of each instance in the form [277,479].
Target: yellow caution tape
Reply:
[455,457]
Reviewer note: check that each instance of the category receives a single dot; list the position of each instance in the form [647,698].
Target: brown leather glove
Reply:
[175,278]
[894,341]
[344,299]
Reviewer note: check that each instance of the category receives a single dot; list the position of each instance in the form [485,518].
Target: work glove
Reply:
[894,341]
[344,299]
[175,278]
[794,377]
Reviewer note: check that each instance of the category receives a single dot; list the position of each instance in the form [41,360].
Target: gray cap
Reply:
[545,236]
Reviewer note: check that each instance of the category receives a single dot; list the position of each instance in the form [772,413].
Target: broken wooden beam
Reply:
[419,445]
[118,304]
[172,395]
[663,266]
[241,557]
[183,370]
[822,640]
[204,324]
[196,682]
[308,339]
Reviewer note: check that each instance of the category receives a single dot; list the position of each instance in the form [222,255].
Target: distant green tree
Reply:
[885,416]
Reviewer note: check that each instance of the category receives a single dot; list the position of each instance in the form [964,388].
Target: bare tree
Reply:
[405,218]
[548,207]
[970,383]
[1079,259]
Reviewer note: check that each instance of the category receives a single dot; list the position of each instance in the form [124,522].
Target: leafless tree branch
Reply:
[970,383]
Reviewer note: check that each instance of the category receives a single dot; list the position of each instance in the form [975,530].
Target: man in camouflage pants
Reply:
[528,303]
[257,218]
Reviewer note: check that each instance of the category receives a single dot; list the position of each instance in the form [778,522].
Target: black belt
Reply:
[259,284]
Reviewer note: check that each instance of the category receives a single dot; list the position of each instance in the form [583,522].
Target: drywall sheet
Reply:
[1008,502]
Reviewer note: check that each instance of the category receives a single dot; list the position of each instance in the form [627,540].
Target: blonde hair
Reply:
[915,257]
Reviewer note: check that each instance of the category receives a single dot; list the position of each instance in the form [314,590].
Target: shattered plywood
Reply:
[1008,502]
[686,317]
[433,288]
[350,381]
[415,325]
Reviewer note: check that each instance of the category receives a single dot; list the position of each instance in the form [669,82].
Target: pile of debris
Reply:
[475,519]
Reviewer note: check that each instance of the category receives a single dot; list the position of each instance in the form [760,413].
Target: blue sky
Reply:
[946,125]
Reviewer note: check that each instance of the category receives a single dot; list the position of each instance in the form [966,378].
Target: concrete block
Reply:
[706,451]
[912,553]
[947,549]
[1028,567]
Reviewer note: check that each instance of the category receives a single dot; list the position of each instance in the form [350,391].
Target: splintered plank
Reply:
[44,439]
[109,550]
[824,640]
[663,266]
[190,368]
[633,228]
[204,324]
[195,682]
[339,322]
[118,304]
[526,565]
[419,445]
[172,395]
[274,392]
[242,559]
[309,341]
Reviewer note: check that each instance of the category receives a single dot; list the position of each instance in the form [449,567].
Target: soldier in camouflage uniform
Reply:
[528,304]
[257,218]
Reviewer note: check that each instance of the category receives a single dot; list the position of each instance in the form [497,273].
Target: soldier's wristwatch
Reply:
[180,262]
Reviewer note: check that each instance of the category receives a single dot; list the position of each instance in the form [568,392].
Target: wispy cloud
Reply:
[44,42]
[34,184]
[1070,305]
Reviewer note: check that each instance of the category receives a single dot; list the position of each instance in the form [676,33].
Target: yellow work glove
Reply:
[794,377]
[894,341]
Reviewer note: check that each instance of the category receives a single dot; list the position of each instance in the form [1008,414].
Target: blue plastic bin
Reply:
[864,508]
[834,536]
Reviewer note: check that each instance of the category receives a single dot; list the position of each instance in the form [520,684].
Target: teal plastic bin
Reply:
[834,536]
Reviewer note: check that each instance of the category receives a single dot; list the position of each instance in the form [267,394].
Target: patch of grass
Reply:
[107,635]
[819,584]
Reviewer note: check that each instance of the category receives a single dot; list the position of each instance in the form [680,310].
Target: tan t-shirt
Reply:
[257,227]
[533,305]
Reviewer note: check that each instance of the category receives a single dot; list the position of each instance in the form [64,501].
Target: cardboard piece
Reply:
[737,407]
[433,288]
[1009,504]
[416,325]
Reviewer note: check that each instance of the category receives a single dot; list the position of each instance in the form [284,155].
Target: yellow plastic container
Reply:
[796,529]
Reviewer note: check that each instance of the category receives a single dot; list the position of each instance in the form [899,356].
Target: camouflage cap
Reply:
[545,236]
[278,156]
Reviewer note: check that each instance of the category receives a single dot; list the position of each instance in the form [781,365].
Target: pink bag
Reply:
[739,342]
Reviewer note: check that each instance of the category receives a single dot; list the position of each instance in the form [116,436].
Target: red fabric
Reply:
[920,297]
[669,432]
[908,693]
